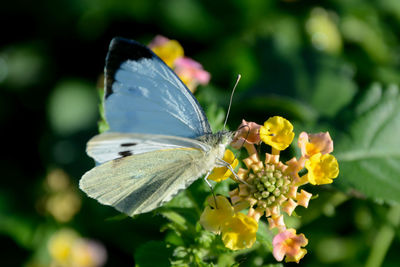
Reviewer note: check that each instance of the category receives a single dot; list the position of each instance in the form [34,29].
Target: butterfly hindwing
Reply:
[143,95]
[141,183]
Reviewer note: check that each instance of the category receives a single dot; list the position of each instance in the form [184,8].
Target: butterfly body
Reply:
[159,140]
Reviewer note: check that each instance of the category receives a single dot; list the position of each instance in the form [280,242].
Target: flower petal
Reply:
[222,173]
[239,232]
[277,132]
[311,144]
[214,216]
[168,50]
[191,72]
[248,132]
[289,244]
[322,169]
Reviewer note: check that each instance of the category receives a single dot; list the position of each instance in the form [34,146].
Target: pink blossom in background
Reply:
[191,72]
[159,40]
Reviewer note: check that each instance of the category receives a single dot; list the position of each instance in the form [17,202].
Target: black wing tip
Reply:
[120,50]
[123,48]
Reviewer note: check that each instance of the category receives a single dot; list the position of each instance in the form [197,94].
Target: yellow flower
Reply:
[239,232]
[213,218]
[277,132]
[222,173]
[68,249]
[322,169]
[288,244]
[168,50]
[60,245]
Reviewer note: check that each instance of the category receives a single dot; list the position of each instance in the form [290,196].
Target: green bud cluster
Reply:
[269,184]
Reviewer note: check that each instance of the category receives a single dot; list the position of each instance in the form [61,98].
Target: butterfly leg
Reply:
[212,189]
[223,163]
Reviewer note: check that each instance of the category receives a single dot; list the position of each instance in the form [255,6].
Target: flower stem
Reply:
[384,237]
[251,149]
[275,151]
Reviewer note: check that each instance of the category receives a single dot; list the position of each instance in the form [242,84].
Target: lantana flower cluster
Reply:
[188,70]
[68,249]
[269,187]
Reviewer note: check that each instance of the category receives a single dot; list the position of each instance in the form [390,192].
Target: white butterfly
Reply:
[159,141]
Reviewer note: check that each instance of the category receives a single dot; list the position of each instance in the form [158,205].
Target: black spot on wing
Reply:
[125,153]
[128,144]
[120,50]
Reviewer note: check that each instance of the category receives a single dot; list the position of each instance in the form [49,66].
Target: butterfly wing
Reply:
[143,95]
[149,154]
[108,146]
[140,183]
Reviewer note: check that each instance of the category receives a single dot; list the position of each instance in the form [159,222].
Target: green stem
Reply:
[384,238]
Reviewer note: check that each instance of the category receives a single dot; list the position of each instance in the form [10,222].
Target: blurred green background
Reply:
[324,65]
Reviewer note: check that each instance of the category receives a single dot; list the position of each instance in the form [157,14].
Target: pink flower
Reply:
[288,244]
[311,144]
[159,40]
[191,72]
[247,133]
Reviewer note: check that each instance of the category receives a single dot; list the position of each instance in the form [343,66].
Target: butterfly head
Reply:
[224,137]
[221,138]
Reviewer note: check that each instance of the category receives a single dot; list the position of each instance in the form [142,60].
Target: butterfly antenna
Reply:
[230,101]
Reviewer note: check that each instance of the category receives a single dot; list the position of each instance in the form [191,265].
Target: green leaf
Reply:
[369,153]
[332,91]
[18,228]
[153,253]
[175,217]
[369,99]
[102,123]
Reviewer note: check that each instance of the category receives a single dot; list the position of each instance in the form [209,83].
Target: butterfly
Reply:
[159,139]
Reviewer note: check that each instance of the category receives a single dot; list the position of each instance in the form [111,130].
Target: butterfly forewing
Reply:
[143,95]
